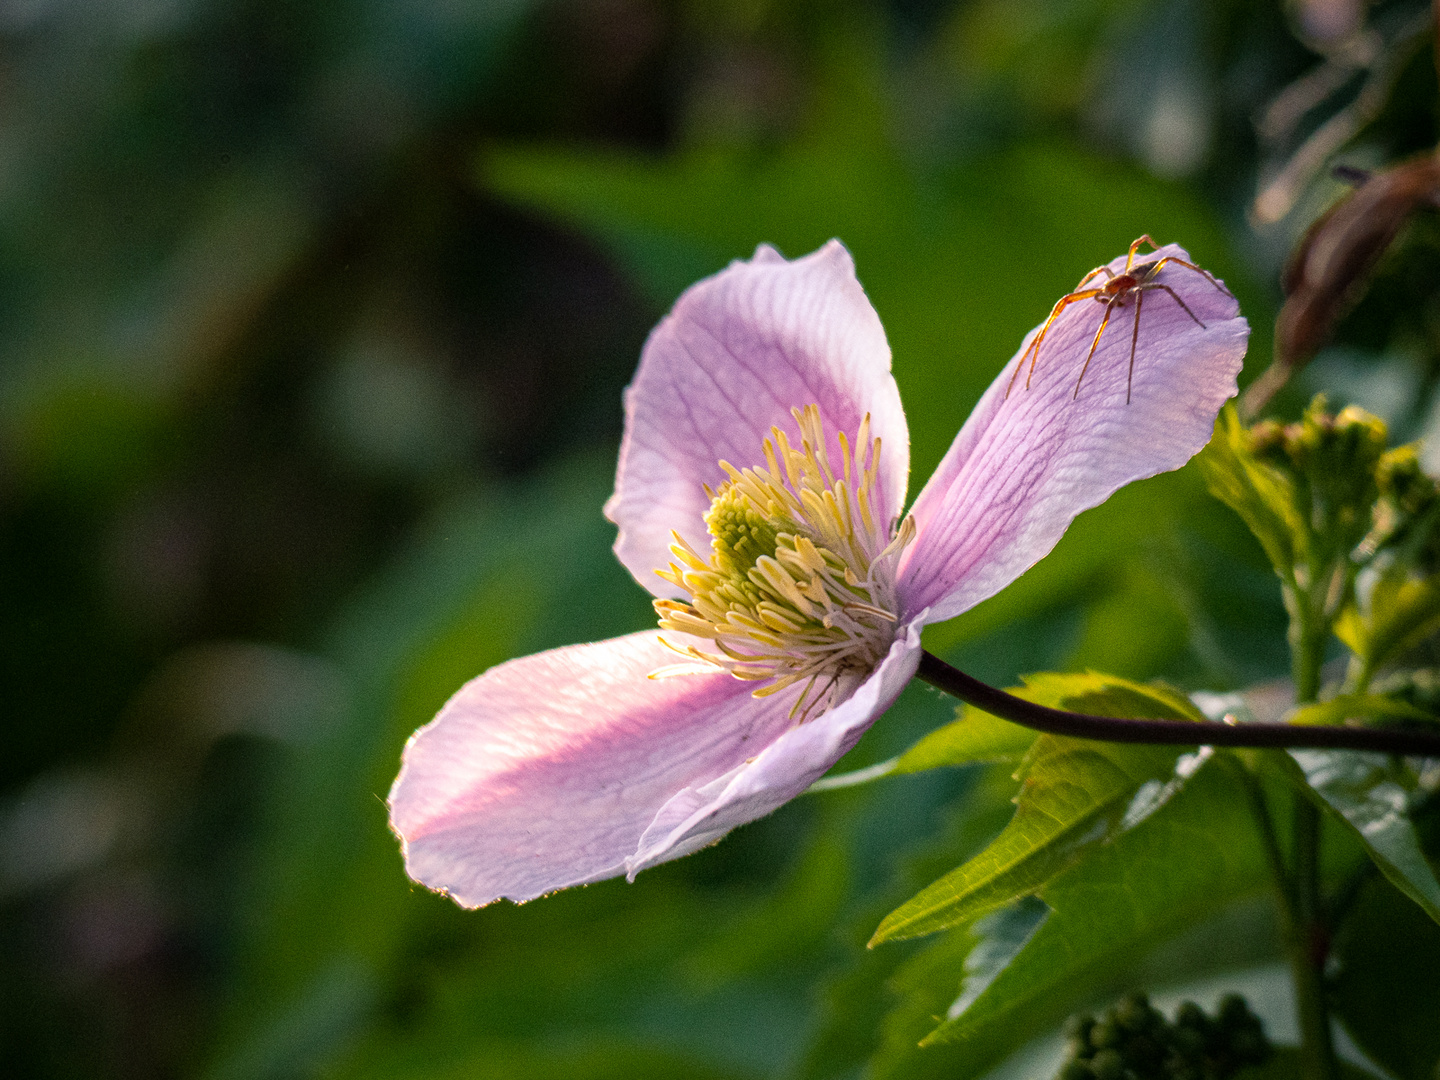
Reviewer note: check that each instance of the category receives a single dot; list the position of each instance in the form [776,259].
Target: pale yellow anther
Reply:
[799,587]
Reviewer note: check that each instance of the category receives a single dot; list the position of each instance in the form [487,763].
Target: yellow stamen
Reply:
[799,587]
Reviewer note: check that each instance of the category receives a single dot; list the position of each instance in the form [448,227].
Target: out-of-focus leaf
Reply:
[1287,1063]
[1178,868]
[1345,707]
[1262,495]
[1365,792]
[1386,992]
[609,1060]
[779,927]
[1401,611]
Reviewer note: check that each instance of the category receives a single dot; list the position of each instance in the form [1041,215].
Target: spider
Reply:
[1132,281]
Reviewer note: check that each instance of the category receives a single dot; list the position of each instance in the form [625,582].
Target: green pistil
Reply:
[741,533]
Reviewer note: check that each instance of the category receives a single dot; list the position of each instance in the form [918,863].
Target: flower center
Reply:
[800,583]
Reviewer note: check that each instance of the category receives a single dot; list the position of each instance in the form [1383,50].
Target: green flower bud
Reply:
[1132,1012]
[1105,1034]
[1108,1065]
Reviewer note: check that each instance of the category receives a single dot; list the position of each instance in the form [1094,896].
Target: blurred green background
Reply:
[314,320]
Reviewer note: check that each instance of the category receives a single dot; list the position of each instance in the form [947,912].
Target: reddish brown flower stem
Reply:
[1170,732]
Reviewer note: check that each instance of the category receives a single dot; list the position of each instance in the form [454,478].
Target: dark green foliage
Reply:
[315,321]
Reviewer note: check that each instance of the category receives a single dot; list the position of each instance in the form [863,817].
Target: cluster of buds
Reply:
[1332,462]
[1133,1041]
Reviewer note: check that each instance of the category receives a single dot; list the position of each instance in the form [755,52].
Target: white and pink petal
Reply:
[1025,465]
[547,771]
[737,353]
[698,816]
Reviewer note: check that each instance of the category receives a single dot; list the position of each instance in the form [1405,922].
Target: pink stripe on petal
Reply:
[1022,469]
[701,815]
[737,353]
[545,772]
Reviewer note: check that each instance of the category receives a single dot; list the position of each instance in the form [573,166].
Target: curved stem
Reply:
[956,683]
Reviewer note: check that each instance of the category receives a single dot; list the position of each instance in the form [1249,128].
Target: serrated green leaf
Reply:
[1386,993]
[999,938]
[1263,496]
[1180,867]
[1401,611]
[1075,793]
[1365,792]
[977,736]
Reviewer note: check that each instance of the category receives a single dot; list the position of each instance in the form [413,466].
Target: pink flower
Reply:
[763,473]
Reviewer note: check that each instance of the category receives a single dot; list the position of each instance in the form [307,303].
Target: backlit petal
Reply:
[737,353]
[1023,468]
[546,771]
[700,815]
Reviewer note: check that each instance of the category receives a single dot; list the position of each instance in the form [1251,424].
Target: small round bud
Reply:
[1190,1015]
[1077,1026]
[1075,1070]
[1267,439]
[1249,1045]
[1233,1011]
[1132,1012]
[1105,1034]
[1108,1065]
[1188,1040]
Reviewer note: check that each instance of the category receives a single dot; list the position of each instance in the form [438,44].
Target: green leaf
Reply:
[1367,793]
[1287,1063]
[1401,611]
[1345,707]
[1386,993]
[1262,495]
[1180,867]
[977,736]
[1074,796]
[999,938]
[1075,793]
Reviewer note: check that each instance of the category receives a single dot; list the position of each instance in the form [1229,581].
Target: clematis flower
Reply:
[760,497]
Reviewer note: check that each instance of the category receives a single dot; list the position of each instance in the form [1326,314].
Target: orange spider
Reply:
[1132,281]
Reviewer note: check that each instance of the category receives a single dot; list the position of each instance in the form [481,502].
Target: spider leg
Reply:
[1033,349]
[1091,275]
[1109,307]
[1173,293]
[1134,340]
[1130,259]
[1199,270]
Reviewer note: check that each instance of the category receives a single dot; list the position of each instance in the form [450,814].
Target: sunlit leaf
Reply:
[1074,794]
[1262,495]
[1345,707]
[1400,611]
[978,736]
[1178,868]
[975,736]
